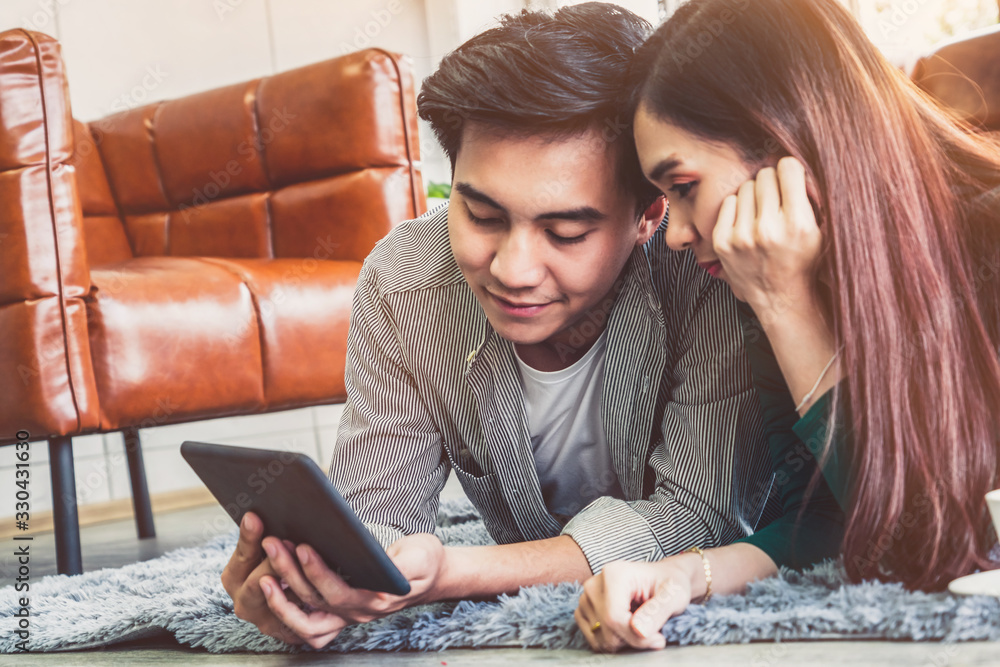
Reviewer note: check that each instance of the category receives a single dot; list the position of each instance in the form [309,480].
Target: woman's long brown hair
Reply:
[910,205]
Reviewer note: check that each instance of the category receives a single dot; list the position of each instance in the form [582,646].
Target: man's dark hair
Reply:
[541,74]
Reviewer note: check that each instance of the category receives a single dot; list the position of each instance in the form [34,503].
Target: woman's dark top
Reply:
[796,446]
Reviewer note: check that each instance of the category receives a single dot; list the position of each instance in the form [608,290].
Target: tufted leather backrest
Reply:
[44,273]
[319,162]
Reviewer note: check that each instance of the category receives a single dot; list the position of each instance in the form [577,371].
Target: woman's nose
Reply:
[681,234]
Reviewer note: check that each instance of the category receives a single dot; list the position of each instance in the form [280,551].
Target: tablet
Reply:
[296,502]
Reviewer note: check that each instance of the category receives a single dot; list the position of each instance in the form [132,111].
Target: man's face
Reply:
[540,229]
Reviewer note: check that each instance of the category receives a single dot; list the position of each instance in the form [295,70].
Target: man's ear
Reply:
[651,219]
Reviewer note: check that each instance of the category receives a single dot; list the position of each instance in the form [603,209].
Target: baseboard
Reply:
[114,510]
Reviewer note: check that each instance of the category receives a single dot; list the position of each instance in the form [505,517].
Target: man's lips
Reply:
[713,268]
[519,309]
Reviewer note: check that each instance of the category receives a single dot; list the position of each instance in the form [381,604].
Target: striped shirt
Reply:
[432,387]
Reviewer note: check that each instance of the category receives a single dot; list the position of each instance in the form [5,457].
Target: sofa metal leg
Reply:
[67,525]
[140,492]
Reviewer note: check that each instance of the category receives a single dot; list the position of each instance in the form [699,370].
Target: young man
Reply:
[587,385]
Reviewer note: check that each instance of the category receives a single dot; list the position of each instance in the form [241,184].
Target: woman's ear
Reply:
[651,219]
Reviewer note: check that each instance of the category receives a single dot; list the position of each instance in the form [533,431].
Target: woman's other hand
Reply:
[632,601]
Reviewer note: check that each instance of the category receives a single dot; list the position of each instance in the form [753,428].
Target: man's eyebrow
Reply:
[470,192]
[581,214]
[662,167]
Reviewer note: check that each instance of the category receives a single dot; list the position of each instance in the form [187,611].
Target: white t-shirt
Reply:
[567,432]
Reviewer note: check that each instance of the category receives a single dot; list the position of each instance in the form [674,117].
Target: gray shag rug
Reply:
[180,593]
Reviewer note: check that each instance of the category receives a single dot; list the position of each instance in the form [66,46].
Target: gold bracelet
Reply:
[708,571]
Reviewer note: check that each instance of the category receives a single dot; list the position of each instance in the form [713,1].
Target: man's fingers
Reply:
[248,600]
[317,628]
[247,555]
[250,604]
[275,628]
[287,569]
[334,590]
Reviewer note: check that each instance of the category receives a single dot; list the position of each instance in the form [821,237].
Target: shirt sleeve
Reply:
[388,463]
[711,453]
[811,526]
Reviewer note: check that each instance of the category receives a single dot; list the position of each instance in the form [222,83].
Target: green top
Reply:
[795,446]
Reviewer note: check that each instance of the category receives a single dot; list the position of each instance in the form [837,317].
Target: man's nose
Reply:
[517,263]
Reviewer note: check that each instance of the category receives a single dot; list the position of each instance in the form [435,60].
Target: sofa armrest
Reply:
[44,274]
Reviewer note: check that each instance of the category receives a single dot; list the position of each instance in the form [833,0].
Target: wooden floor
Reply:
[114,544]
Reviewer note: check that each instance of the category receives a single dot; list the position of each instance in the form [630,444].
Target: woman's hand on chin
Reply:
[768,241]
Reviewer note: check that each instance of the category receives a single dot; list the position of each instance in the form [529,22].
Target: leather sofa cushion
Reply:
[173,339]
[214,337]
[303,311]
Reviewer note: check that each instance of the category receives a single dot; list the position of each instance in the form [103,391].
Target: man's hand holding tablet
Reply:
[301,548]
[317,603]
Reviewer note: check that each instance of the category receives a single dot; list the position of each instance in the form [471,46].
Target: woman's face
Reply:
[695,175]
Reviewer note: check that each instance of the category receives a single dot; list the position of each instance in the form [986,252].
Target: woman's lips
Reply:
[516,309]
[713,268]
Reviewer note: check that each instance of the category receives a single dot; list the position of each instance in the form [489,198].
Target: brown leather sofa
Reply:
[188,259]
[964,75]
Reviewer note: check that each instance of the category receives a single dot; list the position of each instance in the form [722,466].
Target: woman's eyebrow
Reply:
[663,166]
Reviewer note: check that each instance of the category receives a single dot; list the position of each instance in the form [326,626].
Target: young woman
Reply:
[860,227]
